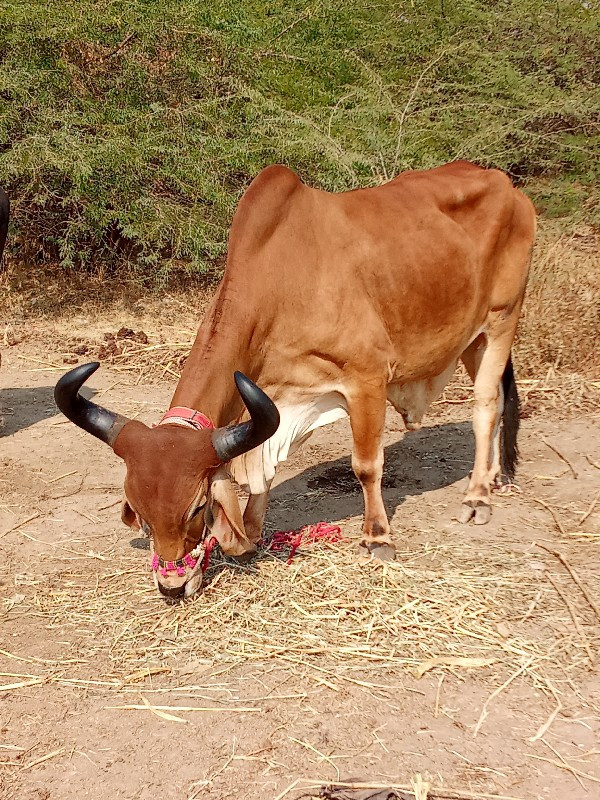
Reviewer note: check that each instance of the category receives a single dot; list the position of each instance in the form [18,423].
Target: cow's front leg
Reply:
[254,515]
[367,417]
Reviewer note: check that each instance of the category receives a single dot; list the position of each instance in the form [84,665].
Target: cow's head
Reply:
[176,489]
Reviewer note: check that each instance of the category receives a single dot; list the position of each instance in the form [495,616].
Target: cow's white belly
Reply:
[254,471]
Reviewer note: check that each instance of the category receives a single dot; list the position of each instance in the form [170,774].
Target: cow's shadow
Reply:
[421,461]
[21,408]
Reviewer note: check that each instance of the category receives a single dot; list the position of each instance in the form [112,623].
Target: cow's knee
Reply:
[367,474]
[368,470]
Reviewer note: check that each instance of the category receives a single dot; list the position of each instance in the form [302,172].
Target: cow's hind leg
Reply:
[471,358]
[367,418]
[486,361]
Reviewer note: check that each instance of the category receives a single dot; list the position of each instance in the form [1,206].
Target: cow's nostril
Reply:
[172,592]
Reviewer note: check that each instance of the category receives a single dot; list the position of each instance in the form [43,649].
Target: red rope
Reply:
[207,551]
[310,534]
[282,540]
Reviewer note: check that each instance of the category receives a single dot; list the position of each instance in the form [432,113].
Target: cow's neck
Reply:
[222,346]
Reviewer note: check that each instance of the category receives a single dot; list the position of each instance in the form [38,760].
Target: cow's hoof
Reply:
[140,543]
[506,489]
[244,558]
[465,513]
[482,514]
[382,552]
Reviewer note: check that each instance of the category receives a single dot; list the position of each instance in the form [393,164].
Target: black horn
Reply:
[234,440]
[94,419]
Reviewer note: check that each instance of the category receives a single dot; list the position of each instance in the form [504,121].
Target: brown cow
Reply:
[333,304]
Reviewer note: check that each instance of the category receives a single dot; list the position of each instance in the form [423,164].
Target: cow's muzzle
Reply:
[171,592]
[179,589]
[176,580]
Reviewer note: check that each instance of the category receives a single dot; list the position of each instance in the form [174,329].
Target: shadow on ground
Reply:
[422,461]
[23,407]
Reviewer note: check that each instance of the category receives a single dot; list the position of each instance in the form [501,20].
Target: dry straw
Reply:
[328,619]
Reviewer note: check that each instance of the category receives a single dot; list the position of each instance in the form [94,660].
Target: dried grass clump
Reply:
[326,618]
[560,324]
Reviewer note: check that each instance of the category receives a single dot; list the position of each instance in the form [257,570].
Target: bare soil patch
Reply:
[472,660]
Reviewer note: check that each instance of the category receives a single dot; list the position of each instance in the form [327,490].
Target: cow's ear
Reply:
[128,516]
[224,518]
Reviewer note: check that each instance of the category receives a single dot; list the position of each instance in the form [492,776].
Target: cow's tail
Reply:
[509,451]
[4,215]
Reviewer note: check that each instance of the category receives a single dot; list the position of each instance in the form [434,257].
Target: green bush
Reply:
[129,129]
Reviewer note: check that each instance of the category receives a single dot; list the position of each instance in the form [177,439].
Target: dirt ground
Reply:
[279,679]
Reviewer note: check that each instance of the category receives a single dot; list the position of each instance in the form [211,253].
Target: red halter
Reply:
[179,415]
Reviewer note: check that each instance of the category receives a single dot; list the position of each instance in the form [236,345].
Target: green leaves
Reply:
[129,129]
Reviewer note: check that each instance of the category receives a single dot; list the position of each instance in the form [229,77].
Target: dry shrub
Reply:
[127,130]
[560,324]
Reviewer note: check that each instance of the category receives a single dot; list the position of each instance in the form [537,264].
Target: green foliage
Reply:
[129,128]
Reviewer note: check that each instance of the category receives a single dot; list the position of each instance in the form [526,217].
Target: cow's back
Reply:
[402,273]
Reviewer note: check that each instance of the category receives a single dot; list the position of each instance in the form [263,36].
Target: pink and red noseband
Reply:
[189,417]
[201,551]
[179,566]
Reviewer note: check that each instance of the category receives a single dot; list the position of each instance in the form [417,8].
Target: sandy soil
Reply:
[74,584]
